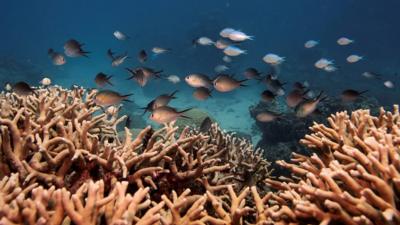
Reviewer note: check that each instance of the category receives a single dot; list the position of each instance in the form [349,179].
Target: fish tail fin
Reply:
[125,97]
[158,72]
[85,54]
[241,81]
[185,110]
[363,92]
[186,117]
[109,82]
[251,37]
[172,95]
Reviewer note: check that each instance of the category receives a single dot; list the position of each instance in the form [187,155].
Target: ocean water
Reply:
[30,28]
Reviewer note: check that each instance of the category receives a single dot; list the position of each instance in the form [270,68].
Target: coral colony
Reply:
[63,161]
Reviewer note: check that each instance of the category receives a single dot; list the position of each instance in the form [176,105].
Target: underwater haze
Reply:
[188,32]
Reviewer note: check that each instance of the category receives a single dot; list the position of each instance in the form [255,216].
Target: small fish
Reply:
[57,58]
[273,59]
[45,81]
[311,44]
[202,93]
[234,51]
[220,68]
[198,80]
[73,48]
[149,107]
[275,85]
[142,56]
[23,88]
[120,36]
[226,31]
[225,83]
[8,87]
[138,76]
[300,86]
[252,73]
[163,100]
[205,125]
[351,95]
[128,122]
[295,97]
[267,116]
[344,41]
[159,50]
[117,60]
[330,68]
[268,96]
[102,79]
[166,114]
[322,63]
[107,98]
[238,36]
[388,84]
[354,58]
[221,44]
[227,59]
[371,75]
[204,41]
[173,79]
[308,106]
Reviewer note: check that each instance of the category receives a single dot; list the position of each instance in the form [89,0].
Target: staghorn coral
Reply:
[354,176]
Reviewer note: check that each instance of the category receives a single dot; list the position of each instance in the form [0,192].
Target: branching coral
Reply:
[353,178]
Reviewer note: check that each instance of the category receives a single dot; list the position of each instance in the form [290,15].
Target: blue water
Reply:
[29,28]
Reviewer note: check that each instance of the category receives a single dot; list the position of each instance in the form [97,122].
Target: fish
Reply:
[311,44]
[163,100]
[120,36]
[273,59]
[252,73]
[234,51]
[371,75]
[159,50]
[268,96]
[143,74]
[220,68]
[142,56]
[322,63]
[57,58]
[205,125]
[221,44]
[300,86]
[350,95]
[225,83]
[45,81]
[227,59]
[204,41]
[149,107]
[202,93]
[117,60]
[73,48]
[295,97]
[344,41]
[388,84]
[239,36]
[8,86]
[275,85]
[354,58]
[166,114]
[198,80]
[23,88]
[267,116]
[102,79]
[173,79]
[225,32]
[330,68]
[107,98]
[308,106]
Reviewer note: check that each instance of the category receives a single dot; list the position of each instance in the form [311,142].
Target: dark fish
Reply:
[117,60]
[252,73]
[267,96]
[22,88]
[202,93]
[295,97]
[163,100]
[300,86]
[138,76]
[205,125]
[226,83]
[128,122]
[275,85]
[142,56]
[57,58]
[73,48]
[149,107]
[308,106]
[108,98]
[102,79]
[351,95]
